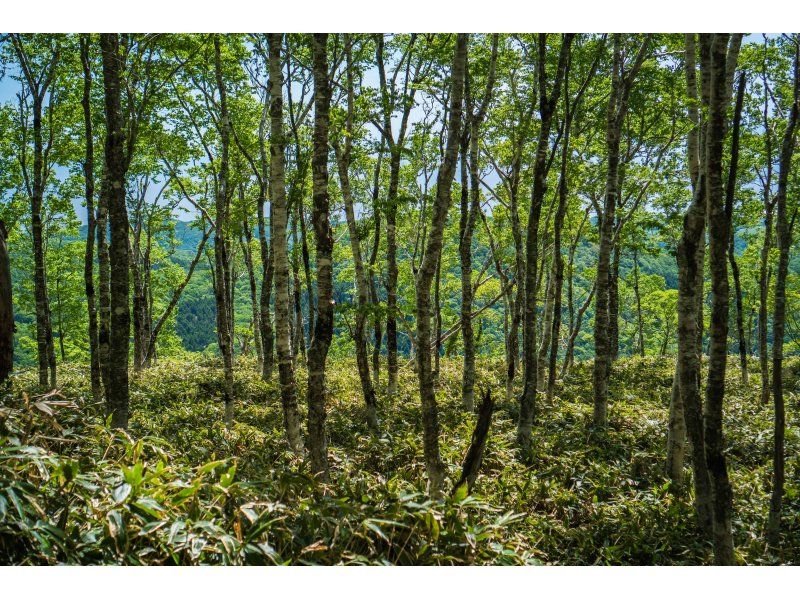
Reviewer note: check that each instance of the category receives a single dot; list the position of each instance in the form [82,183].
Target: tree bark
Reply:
[718,228]
[730,191]
[247,254]
[88,262]
[39,84]
[430,418]
[362,287]
[784,239]
[280,250]
[621,84]
[323,328]
[117,397]
[690,269]
[469,215]
[547,106]
[222,200]
[264,245]
[6,310]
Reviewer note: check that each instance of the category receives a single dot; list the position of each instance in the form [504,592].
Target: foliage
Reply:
[183,489]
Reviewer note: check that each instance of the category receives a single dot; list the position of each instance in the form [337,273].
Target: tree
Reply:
[323,328]
[6,309]
[91,229]
[116,166]
[343,147]
[548,100]
[621,83]
[39,72]
[280,256]
[784,228]
[469,214]
[427,269]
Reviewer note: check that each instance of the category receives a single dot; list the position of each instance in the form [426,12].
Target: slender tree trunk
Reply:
[373,287]
[613,297]
[718,227]
[323,328]
[430,417]
[280,250]
[264,245]
[223,288]
[638,297]
[676,434]
[392,274]
[784,239]
[362,287]
[38,85]
[104,286]
[730,191]
[88,262]
[466,228]
[6,310]
[247,254]
[557,268]
[690,269]
[117,397]
[469,214]
[547,106]
[763,299]
[312,309]
[299,344]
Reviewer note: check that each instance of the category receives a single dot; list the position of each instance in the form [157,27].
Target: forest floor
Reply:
[181,488]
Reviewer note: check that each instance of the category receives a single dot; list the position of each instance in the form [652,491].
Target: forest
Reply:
[417,299]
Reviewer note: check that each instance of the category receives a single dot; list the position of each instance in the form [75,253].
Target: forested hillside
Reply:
[399,298]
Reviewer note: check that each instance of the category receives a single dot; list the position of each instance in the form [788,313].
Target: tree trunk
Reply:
[784,239]
[280,250]
[299,336]
[730,191]
[638,296]
[247,254]
[605,311]
[427,270]
[690,268]
[547,106]
[373,287]
[465,229]
[613,297]
[763,299]
[117,397]
[38,85]
[718,228]
[362,287]
[222,288]
[469,215]
[323,328]
[6,310]
[88,262]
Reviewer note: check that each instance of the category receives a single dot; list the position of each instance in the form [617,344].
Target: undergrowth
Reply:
[180,488]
